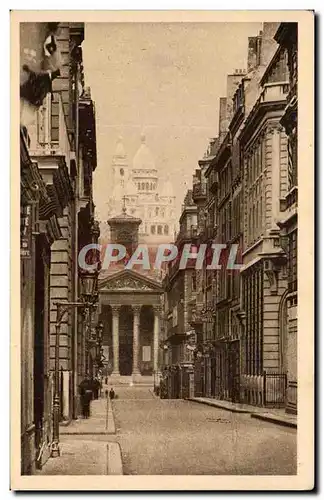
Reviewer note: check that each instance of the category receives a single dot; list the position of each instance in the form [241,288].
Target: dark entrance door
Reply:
[125,359]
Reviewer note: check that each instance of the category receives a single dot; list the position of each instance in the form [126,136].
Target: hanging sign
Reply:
[25,231]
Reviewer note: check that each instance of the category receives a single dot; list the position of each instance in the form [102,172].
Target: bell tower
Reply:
[120,166]
[124,230]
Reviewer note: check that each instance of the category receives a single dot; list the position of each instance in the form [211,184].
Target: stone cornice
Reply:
[258,112]
[56,177]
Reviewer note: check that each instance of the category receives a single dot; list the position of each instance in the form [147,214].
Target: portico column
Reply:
[156,338]
[115,338]
[136,323]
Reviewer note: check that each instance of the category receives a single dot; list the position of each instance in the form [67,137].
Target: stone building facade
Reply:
[287,38]
[245,192]
[58,130]
[179,292]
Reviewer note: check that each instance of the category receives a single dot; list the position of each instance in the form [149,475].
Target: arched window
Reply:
[147,186]
[166,230]
[152,229]
[151,186]
[159,230]
[162,213]
[143,186]
[139,186]
[157,211]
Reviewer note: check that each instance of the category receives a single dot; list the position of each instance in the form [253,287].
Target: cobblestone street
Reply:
[181,437]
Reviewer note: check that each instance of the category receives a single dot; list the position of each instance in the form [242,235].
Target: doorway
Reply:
[126,341]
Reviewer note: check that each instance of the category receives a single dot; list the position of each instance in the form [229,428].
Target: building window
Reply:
[253,305]
[159,230]
[152,229]
[157,211]
[166,230]
[121,172]
[143,186]
[147,186]
[292,262]
[193,282]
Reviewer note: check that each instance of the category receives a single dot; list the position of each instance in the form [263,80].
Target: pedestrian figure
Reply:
[85,389]
[96,387]
[112,393]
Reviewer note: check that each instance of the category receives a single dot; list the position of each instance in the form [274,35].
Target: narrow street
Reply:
[181,437]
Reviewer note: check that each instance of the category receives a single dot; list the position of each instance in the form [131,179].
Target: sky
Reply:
[163,80]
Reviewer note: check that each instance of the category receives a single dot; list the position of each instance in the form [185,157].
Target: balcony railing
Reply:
[199,190]
[276,91]
[49,135]
[292,197]
[187,234]
[213,182]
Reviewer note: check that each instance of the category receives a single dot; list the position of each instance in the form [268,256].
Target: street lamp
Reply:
[99,350]
[89,294]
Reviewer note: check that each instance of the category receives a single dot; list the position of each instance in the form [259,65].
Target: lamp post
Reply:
[89,294]
[98,347]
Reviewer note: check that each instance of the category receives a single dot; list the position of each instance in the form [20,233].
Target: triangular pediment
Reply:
[127,280]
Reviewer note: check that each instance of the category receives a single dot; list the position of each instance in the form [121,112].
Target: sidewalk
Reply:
[84,457]
[88,456]
[101,420]
[274,415]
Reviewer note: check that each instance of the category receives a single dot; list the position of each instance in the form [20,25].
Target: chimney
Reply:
[268,45]
[222,125]
[233,82]
[252,53]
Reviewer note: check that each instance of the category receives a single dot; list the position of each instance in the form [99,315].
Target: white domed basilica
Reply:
[137,188]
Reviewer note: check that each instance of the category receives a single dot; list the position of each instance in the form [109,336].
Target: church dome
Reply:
[143,159]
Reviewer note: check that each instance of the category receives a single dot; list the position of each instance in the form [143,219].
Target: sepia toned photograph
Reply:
[166,186]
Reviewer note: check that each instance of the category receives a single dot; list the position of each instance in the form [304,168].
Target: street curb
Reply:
[253,414]
[274,420]
[218,405]
[114,460]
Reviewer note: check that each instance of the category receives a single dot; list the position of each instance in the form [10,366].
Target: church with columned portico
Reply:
[140,210]
[130,310]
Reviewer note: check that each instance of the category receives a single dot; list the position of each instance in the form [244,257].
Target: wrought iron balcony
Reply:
[199,191]
[292,197]
[187,234]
